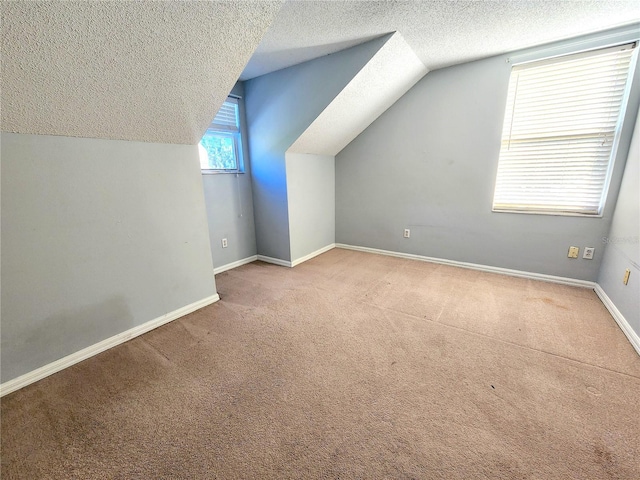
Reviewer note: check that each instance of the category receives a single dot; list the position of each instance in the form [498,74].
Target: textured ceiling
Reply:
[390,73]
[150,71]
[159,70]
[441,33]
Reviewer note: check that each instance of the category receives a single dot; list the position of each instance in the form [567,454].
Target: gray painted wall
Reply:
[280,106]
[429,164]
[98,236]
[312,207]
[229,204]
[622,245]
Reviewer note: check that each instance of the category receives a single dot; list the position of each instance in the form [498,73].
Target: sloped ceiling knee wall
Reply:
[390,73]
[146,71]
[316,108]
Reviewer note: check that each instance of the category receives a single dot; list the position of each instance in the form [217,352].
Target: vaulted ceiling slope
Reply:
[440,32]
[390,73]
[148,71]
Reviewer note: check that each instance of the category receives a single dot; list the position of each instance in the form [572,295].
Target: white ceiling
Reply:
[440,32]
[158,71]
[154,71]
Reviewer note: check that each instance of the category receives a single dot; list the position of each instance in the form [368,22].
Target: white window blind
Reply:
[227,117]
[561,127]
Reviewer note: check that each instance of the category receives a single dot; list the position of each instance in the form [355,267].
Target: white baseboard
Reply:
[320,251]
[51,368]
[275,261]
[297,261]
[619,318]
[474,266]
[235,264]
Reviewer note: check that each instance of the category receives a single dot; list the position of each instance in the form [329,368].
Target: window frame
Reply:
[571,51]
[237,135]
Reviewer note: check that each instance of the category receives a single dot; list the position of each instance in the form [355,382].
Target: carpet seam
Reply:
[471,332]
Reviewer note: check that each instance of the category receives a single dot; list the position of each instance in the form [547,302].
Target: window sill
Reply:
[555,214]
[221,172]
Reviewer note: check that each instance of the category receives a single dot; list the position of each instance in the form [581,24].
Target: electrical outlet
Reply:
[224,243]
[627,273]
[407,233]
[588,253]
[573,252]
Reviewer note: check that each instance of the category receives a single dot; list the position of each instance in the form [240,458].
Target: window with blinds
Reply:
[227,117]
[221,146]
[561,128]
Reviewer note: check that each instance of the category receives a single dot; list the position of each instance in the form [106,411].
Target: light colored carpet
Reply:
[351,365]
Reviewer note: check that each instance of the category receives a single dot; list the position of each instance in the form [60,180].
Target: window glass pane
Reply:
[220,151]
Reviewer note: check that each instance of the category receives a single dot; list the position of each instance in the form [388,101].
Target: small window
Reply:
[560,132]
[221,146]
